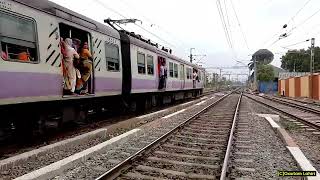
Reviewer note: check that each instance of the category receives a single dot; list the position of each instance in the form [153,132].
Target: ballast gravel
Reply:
[269,153]
[101,162]
[308,142]
[44,160]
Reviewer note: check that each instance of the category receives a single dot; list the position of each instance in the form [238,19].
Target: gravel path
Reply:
[100,163]
[46,159]
[260,149]
[308,142]
[113,130]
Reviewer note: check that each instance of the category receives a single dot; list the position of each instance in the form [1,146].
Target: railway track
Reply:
[311,107]
[303,101]
[8,147]
[197,148]
[309,116]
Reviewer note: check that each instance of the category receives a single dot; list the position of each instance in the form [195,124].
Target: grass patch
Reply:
[289,125]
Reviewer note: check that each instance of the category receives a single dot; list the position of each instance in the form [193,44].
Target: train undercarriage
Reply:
[22,121]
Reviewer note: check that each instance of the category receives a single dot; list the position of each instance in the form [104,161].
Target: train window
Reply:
[112,57]
[141,63]
[150,65]
[189,74]
[18,38]
[175,68]
[171,69]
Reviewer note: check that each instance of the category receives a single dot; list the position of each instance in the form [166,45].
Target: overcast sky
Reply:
[185,24]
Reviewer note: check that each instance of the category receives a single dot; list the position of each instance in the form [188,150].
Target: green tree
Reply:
[265,73]
[299,60]
[262,56]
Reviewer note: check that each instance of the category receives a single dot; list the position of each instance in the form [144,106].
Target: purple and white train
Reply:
[126,67]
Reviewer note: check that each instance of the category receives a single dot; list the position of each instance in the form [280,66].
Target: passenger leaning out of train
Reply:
[76,44]
[85,67]
[162,75]
[70,72]
[195,78]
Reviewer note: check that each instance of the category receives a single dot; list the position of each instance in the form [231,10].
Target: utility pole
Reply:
[255,72]
[191,56]
[312,56]
[311,66]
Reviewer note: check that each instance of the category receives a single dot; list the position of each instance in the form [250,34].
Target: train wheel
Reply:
[24,127]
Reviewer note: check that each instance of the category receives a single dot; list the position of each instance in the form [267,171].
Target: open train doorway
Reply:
[162,72]
[78,71]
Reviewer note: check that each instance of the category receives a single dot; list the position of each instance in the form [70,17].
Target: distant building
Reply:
[286,75]
[278,71]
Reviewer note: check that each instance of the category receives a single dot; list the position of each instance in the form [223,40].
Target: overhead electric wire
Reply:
[110,9]
[304,21]
[223,24]
[274,42]
[296,43]
[291,19]
[155,35]
[243,35]
[305,4]
[228,21]
[277,33]
[123,16]
[153,24]
[226,10]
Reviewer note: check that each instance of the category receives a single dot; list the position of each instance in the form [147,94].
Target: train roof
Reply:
[64,13]
[150,47]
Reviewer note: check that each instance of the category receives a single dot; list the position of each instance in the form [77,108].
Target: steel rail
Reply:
[312,102]
[286,113]
[230,141]
[116,170]
[293,104]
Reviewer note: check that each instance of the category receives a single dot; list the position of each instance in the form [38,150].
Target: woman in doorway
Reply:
[86,69]
[70,71]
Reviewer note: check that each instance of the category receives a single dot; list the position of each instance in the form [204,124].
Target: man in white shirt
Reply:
[162,76]
[195,76]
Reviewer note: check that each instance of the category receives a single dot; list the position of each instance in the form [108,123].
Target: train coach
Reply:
[125,74]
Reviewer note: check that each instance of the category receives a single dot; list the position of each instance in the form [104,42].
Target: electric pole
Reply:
[255,72]
[191,56]
[311,66]
[312,56]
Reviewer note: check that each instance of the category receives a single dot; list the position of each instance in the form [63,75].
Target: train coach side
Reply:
[38,27]
[24,27]
[144,67]
[125,69]
[33,86]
